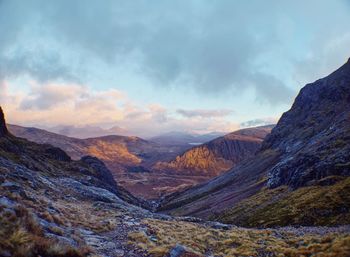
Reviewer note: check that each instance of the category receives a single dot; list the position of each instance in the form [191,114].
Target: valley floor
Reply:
[154,185]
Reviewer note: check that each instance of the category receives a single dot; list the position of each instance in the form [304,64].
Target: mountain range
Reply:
[136,163]
[128,158]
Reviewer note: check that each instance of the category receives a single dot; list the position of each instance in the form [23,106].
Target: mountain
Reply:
[184,139]
[219,155]
[118,151]
[88,131]
[301,174]
[53,206]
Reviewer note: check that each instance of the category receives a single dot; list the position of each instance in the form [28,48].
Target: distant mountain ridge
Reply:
[218,155]
[88,131]
[183,138]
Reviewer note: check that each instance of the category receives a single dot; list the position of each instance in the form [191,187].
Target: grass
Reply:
[201,240]
[311,206]
[21,236]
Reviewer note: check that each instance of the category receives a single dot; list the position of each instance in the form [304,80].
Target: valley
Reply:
[174,128]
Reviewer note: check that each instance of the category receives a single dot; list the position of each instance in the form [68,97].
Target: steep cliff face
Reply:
[3,128]
[314,135]
[300,174]
[219,155]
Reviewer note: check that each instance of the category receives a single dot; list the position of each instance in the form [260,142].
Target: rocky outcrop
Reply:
[101,171]
[313,135]
[219,155]
[3,128]
[57,154]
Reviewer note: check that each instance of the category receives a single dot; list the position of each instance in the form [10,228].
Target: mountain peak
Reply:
[3,128]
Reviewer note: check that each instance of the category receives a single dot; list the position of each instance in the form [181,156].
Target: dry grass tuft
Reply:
[200,240]
[21,236]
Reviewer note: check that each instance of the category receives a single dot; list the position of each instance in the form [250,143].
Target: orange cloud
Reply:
[50,105]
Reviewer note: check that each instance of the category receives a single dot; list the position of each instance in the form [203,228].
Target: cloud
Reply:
[51,105]
[44,97]
[40,65]
[258,122]
[204,113]
[275,93]
[213,47]
[62,104]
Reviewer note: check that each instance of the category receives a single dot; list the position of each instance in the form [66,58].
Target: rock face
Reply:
[309,147]
[57,154]
[101,170]
[3,128]
[314,135]
[219,155]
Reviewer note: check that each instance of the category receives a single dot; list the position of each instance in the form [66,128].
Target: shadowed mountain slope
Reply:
[300,174]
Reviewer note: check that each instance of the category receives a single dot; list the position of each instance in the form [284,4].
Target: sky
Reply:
[151,67]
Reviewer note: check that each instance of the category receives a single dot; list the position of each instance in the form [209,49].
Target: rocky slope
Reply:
[300,176]
[53,206]
[219,155]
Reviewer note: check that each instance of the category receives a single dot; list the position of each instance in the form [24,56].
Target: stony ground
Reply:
[114,229]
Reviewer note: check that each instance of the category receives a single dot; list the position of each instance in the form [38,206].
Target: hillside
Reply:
[300,176]
[53,206]
[121,150]
[217,156]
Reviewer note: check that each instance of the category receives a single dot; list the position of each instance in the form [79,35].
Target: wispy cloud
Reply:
[258,122]
[205,113]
